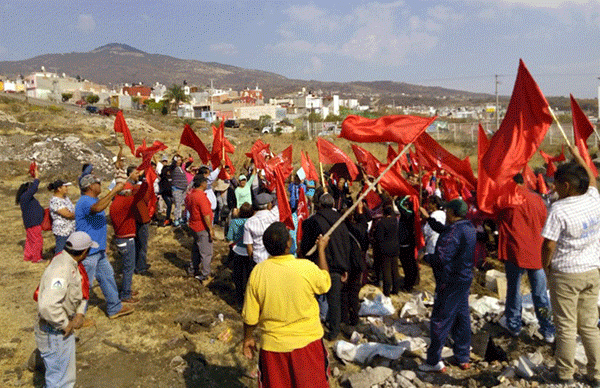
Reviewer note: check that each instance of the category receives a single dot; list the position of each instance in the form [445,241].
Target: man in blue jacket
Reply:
[452,264]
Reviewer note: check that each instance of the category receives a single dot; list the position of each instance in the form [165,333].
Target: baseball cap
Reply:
[263,199]
[242,178]
[59,183]
[80,241]
[88,180]
[458,206]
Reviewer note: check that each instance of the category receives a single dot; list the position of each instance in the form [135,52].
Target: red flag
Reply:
[301,212]
[397,128]
[283,160]
[220,145]
[190,139]
[372,198]
[391,155]
[223,174]
[331,154]
[150,178]
[283,204]
[257,146]
[582,129]
[437,158]
[121,126]
[394,183]
[259,153]
[482,143]
[541,184]
[146,153]
[366,160]
[414,160]
[312,174]
[550,160]
[526,122]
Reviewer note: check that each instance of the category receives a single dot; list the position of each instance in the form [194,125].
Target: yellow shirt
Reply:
[280,298]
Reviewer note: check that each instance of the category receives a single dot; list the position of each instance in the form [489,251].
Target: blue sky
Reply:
[458,44]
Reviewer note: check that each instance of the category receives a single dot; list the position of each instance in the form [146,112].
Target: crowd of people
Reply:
[553,237]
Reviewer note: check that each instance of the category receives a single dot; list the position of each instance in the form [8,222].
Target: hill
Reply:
[117,63]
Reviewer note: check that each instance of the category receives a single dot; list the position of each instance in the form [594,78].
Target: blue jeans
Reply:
[58,354]
[513,309]
[60,243]
[126,247]
[141,247]
[98,267]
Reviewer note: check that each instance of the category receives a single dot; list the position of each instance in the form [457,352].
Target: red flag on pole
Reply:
[397,128]
[259,153]
[283,204]
[550,160]
[582,129]
[312,174]
[224,174]
[150,178]
[526,122]
[258,145]
[391,155]
[121,126]
[283,160]
[146,153]
[366,160]
[220,145]
[331,154]
[394,183]
[301,212]
[32,167]
[437,157]
[190,139]
[482,143]
[530,178]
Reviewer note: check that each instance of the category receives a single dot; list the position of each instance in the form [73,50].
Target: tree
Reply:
[66,96]
[175,95]
[331,118]
[92,98]
[314,117]
[264,120]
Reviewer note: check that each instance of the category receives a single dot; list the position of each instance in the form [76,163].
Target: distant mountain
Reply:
[119,63]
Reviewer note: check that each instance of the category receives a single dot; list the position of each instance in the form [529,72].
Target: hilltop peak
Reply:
[117,48]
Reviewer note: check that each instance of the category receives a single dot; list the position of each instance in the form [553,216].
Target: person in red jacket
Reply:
[122,215]
[201,223]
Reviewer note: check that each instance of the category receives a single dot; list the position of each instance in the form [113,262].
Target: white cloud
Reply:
[537,3]
[86,23]
[224,48]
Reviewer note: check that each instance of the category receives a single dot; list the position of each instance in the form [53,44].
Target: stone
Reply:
[369,377]
[404,382]
[409,374]
[336,371]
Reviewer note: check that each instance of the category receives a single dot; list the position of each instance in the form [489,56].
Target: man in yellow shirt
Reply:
[280,299]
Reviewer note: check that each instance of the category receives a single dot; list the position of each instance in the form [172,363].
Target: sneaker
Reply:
[176,223]
[513,333]
[437,368]
[125,310]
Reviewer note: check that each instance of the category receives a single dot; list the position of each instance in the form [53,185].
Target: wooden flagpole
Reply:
[559,127]
[362,196]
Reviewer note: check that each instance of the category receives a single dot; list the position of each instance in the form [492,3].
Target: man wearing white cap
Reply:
[62,299]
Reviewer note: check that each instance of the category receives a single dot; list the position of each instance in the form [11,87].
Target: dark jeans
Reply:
[141,247]
[126,247]
[242,266]
[450,316]
[391,276]
[410,267]
[60,243]
[350,301]
[334,302]
[169,204]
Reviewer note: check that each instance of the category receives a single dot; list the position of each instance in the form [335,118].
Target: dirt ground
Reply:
[177,316]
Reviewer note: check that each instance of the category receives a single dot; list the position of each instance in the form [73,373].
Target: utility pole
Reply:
[497,105]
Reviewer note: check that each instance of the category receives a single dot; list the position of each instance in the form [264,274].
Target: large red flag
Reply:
[437,157]
[220,145]
[550,160]
[394,183]
[582,129]
[331,154]
[529,178]
[391,155]
[366,160]
[283,204]
[283,160]
[257,146]
[526,122]
[150,178]
[190,139]
[224,174]
[302,213]
[121,126]
[414,161]
[397,128]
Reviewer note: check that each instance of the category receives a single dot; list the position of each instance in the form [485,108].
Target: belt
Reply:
[49,329]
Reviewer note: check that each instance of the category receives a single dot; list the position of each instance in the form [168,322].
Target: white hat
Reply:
[80,241]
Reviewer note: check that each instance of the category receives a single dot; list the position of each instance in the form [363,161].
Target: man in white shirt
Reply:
[570,257]
[256,226]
